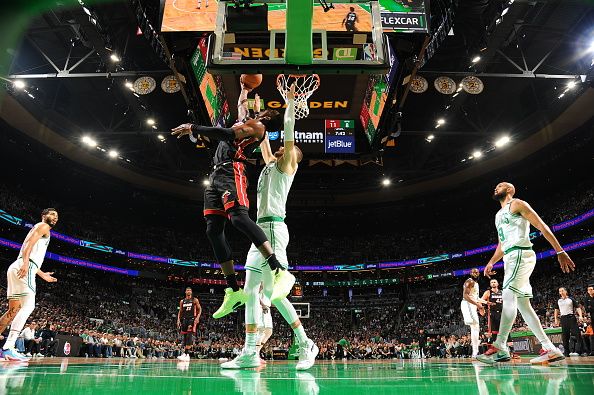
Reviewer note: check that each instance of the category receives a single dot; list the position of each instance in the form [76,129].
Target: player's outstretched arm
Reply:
[524,209]
[288,162]
[47,276]
[267,154]
[242,105]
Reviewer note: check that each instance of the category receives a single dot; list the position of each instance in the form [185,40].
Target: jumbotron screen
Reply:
[397,16]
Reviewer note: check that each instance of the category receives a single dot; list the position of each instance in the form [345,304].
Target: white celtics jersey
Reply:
[513,229]
[273,190]
[38,252]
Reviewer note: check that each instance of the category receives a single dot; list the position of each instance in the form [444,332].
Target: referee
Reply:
[589,307]
[589,304]
[568,307]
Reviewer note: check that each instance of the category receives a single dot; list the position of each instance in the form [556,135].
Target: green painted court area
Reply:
[77,376]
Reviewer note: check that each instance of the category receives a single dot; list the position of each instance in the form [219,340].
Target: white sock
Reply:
[475,338]
[508,317]
[300,334]
[251,339]
[529,315]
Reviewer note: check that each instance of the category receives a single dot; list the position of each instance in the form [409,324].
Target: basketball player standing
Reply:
[513,222]
[469,306]
[188,318]
[21,281]
[494,298]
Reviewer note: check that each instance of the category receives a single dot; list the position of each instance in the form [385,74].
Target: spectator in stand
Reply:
[49,343]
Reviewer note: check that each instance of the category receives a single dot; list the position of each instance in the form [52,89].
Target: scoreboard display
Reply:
[340,136]
[320,136]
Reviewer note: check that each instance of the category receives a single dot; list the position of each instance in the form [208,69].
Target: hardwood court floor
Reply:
[124,376]
[182,15]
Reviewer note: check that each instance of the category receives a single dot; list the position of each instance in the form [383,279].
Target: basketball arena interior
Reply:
[297,197]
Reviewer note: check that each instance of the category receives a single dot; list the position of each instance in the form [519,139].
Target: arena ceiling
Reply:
[533,53]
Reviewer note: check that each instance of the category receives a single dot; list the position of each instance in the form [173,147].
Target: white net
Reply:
[305,85]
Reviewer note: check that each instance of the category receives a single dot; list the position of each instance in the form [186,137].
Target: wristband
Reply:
[561,252]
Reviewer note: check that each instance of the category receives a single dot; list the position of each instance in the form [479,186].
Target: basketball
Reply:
[251,81]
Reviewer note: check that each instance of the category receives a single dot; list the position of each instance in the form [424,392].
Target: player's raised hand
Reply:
[291,92]
[567,265]
[488,272]
[185,129]
[257,103]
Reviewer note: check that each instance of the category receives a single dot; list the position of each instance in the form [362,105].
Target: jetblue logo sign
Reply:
[340,144]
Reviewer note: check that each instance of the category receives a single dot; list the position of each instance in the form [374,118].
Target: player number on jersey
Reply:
[501,236]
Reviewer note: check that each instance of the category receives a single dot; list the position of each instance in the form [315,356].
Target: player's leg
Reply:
[475,338]
[14,306]
[216,218]
[498,351]
[236,203]
[241,221]
[265,328]
[15,288]
[307,348]
[18,323]
[249,358]
[278,234]
[519,284]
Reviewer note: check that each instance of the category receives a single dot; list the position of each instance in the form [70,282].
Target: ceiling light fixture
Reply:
[502,141]
[89,141]
[386,182]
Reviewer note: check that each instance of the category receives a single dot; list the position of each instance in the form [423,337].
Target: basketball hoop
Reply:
[305,86]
